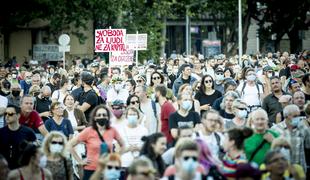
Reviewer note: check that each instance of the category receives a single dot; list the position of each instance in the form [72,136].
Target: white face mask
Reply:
[251,77]
[242,114]
[56,148]
[43,161]
[118,87]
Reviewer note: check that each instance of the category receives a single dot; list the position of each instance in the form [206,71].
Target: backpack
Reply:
[154,110]
[218,142]
[256,84]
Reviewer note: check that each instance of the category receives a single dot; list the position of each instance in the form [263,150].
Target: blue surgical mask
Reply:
[295,121]
[132,119]
[189,165]
[286,153]
[112,174]
[242,114]
[251,77]
[219,77]
[187,105]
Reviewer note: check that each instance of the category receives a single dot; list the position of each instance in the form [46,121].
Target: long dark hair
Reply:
[129,99]
[148,151]
[202,84]
[93,114]
[162,78]
[28,151]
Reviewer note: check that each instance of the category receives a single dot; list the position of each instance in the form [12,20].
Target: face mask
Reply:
[112,174]
[43,161]
[102,121]
[269,75]
[118,87]
[219,77]
[28,81]
[56,148]
[132,119]
[15,93]
[14,76]
[251,78]
[45,98]
[295,122]
[286,153]
[189,165]
[5,91]
[187,105]
[117,113]
[242,114]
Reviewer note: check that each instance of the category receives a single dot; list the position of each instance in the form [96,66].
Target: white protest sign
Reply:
[136,41]
[110,40]
[122,58]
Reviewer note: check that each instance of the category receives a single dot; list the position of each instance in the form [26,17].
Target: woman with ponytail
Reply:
[233,146]
[154,146]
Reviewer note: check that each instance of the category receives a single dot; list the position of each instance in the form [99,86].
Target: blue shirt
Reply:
[65,127]
[25,87]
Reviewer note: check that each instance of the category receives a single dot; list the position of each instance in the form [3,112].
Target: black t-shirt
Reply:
[207,99]
[176,120]
[186,81]
[53,87]
[226,115]
[285,72]
[42,105]
[10,143]
[91,98]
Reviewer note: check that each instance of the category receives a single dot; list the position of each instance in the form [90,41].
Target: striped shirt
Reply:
[230,164]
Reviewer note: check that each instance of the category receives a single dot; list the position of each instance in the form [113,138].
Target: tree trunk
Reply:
[163,35]
[245,29]
[295,42]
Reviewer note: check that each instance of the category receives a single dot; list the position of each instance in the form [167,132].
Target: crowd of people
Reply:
[184,118]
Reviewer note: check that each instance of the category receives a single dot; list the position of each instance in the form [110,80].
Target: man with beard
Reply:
[271,102]
[54,83]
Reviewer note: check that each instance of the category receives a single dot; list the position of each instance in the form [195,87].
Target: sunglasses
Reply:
[139,81]
[134,102]
[9,114]
[208,81]
[113,167]
[242,108]
[219,73]
[190,157]
[57,142]
[101,115]
[154,78]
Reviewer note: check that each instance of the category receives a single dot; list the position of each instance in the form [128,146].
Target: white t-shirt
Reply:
[250,94]
[131,137]
[112,95]
[212,142]
[59,96]
[72,118]
[151,120]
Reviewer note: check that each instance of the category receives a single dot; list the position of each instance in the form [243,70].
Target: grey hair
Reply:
[289,109]
[231,94]
[46,88]
[237,102]
[260,110]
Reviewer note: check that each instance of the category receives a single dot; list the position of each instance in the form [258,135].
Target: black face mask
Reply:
[15,93]
[45,98]
[102,121]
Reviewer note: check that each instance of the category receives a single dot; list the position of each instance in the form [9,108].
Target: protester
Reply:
[100,134]
[54,148]
[30,165]
[141,169]
[239,109]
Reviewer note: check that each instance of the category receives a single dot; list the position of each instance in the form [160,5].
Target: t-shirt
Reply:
[65,126]
[166,109]
[10,143]
[132,138]
[25,87]
[148,111]
[59,96]
[251,143]
[176,120]
[42,105]
[207,99]
[230,164]
[91,98]
[53,87]
[92,141]
[250,94]
[33,120]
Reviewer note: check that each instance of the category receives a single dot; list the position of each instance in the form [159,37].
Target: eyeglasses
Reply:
[190,157]
[220,73]
[57,142]
[154,78]
[9,113]
[101,115]
[134,102]
[208,81]
[113,167]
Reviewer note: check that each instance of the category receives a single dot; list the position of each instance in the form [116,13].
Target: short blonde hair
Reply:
[48,139]
[34,88]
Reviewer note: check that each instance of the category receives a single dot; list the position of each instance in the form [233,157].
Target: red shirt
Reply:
[166,109]
[33,120]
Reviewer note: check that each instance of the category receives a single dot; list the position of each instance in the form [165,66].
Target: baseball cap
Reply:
[267,68]
[87,78]
[218,69]
[117,102]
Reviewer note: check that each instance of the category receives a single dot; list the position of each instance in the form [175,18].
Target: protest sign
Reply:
[110,40]
[136,41]
[122,58]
